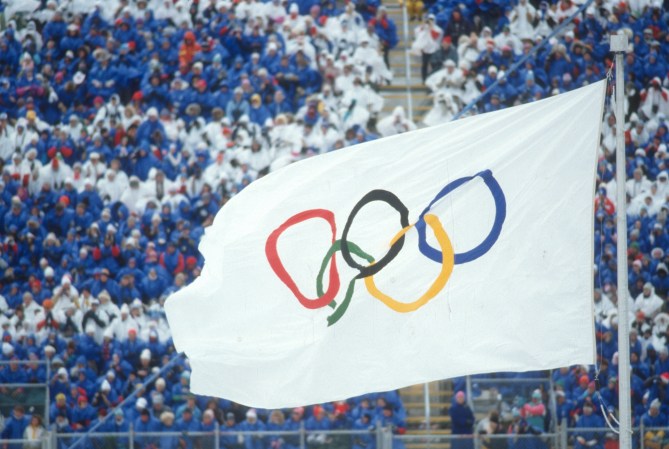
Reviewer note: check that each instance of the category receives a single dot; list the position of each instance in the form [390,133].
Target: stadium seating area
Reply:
[126,125]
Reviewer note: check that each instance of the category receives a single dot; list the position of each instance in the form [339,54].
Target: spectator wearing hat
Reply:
[364,441]
[33,312]
[158,406]
[446,51]
[152,286]
[104,281]
[189,48]
[319,421]
[82,414]
[661,365]
[161,387]
[638,184]
[127,292]
[535,410]
[6,134]
[397,123]
[609,393]
[253,424]
[428,36]
[181,390]
[653,418]
[88,341]
[98,153]
[660,280]
[187,423]
[90,197]
[168,427]
[386,30]
[564,408]
[143,370]
[490,425]
[105,398]
[60,382]
[145,423]
[143,158]
[228,439]
[118,424]
[654,98]
[389,419]
[449,81]
[462,420]
[648,302]
[103,75]
[589,420]
[458,25]
[133,409]
[150,126]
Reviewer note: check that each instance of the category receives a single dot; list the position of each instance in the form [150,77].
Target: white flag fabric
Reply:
[458,249]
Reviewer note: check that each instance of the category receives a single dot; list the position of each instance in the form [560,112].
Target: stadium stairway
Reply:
[413,399]
[396,93]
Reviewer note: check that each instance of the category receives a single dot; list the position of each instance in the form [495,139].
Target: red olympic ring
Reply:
[276,264]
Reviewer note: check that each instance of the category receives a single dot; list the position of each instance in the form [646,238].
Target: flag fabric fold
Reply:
[459,249]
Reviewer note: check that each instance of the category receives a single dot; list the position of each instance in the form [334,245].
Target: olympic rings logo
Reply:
[444,255]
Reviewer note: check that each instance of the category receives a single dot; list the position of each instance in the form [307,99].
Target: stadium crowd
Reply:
[126,125]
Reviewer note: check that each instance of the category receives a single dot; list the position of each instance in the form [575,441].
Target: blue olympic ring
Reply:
[486,244]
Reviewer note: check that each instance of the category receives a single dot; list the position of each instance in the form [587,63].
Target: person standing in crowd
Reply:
[428,36]
[462,421]
[34,433]
[16,425]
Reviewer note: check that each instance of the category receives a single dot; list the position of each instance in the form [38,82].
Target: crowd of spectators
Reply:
[126,125]
[467,47]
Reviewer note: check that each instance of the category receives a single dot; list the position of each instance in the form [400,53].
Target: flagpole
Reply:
[619,47]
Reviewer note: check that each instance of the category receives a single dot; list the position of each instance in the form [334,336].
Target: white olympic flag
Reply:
[459,249]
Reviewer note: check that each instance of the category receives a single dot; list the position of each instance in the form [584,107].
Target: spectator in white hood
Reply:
[397,123]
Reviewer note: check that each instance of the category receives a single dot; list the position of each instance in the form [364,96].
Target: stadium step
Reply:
[396,94]
[427,445]
[440,405]
[413,398]
[402,65]
[433,432]
[433,420]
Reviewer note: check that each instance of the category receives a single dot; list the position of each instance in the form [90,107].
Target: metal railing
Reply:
[217,439]
[510,436]
[482,441]
[33,396]
[42,443]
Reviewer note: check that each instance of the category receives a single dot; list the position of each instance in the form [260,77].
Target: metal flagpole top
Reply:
[619,42]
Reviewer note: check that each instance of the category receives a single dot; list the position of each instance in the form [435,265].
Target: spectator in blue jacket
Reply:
[145,423]
[253,424]
[462,420]
[188,424]
[589,438]
[16,425]
[654,438]
[229,439]
[386,30]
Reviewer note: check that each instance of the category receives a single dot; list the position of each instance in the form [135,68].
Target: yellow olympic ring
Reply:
[447,263]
